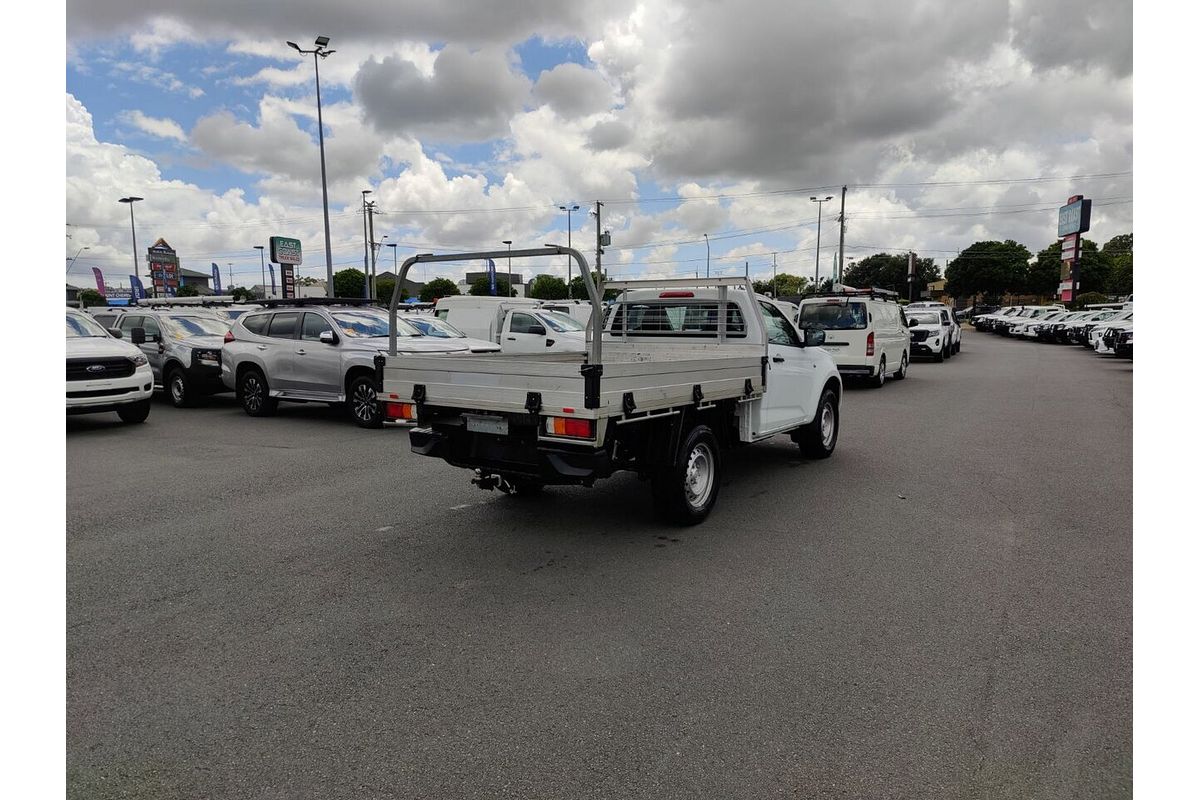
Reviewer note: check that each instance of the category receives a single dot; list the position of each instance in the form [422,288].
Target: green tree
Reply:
[90,297]
[889,271]
[482,287]
[349,283]
[240,293]
[1120,276]
[988,268]
[187,290]
[784,285]
[548,287]
[1119,245]
[1045,274]
[579,291]
[438,288]
[1094,268]
[1091,297]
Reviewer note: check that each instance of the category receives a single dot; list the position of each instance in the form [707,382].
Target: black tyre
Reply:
[902,373]
[818,438]
[364,403]
[941,355]
[134,412]
[255,394]
[686,490]
[178,389]
[878,380]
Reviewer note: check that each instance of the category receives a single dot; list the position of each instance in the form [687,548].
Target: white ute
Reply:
[516,324]
[686,369]
[105,373]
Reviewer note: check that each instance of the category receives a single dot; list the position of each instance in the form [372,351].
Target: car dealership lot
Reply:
[296,607]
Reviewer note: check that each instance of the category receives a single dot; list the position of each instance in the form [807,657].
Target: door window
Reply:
[523,323]
[129,322]
[314,326]
[257,323]
[283,326]
[779,330]
[153,333]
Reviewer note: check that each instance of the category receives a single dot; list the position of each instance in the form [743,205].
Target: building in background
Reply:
[201,280]
[518,280]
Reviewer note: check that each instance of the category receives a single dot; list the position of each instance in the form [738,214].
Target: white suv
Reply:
[865,332]
[104,373]
[931,333]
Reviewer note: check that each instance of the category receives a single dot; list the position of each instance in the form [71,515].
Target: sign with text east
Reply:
[164,268]
[285,250]
[1075,217]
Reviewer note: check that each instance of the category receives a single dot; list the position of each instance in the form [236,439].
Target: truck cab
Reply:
[516,324]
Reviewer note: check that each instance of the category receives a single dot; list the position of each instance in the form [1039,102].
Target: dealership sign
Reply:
[1075,217]
[285,250]
[164,268]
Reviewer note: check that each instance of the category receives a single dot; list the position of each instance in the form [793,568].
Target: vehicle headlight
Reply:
[139,360]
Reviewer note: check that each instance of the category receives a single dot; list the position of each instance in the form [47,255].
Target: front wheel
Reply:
[134,412]
[255,394]
[685,491]
[818,438]
[941,355]
[364,403]
[178,389]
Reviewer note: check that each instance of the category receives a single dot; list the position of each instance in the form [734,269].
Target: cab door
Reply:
[523,333]
[786,402]
[153,347]
[276,350]
[316,365]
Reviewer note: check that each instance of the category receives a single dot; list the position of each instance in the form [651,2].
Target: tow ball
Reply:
[489,481]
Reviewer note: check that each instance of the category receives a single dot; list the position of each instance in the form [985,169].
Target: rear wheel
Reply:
[902,373]
[134,412]
[818,438]
[879,379]
[685,491]
[364,404]
[255,394]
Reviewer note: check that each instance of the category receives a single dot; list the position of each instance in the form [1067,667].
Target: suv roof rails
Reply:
[320,301]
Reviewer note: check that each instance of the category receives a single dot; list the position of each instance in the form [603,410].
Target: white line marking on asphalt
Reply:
[384,528]
[460,508]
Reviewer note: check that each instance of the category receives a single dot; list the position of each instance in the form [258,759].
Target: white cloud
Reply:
[162,128]
[574,91]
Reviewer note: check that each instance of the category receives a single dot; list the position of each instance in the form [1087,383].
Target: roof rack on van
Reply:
[874,293]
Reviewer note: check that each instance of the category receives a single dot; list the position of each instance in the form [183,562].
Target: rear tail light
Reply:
[571,427]
[676,294]
[871,343]
[400,411]
[228,336]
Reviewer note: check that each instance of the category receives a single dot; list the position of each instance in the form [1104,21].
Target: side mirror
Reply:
[814,337]
[138,336]
[537,330]
[328,337]
[115,332]
[912,323]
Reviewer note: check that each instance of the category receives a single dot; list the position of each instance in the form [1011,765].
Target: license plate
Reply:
[481,424]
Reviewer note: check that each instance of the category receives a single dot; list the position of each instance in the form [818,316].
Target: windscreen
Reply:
[560,321]
[679,317]
[83,327]
[925,318]
[834,316]
[370,324]
[432,326]
[182,327]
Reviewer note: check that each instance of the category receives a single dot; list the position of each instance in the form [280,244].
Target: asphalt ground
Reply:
[296,608]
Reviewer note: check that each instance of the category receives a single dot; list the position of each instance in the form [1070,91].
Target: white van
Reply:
[517,324]
[580,310]
[865,332]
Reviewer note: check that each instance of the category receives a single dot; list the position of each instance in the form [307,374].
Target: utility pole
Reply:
[321,51]
[510,283]
[569,209]
[707,257]
[599,251]
[817,270]
[841,236]
[366,241]
[774,266]
[369,279]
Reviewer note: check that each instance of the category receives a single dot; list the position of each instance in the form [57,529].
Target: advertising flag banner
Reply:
[492,276]
[216,278]
[99,279]
[272,268]
[137,290]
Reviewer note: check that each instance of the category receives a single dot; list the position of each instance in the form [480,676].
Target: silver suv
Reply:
[310,352]
[183,346]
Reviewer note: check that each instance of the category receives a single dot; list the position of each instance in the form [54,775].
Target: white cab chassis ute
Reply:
[685,370]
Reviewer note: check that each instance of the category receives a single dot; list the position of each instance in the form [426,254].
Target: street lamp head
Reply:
[507,241]
[130,199]
[829,197]
[321,41]
[258,247]
[366,191]
[575,208]
[391,244]
[294,46]
[326,53]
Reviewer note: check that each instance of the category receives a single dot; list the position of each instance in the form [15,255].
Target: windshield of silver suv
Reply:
[81,327]
[182,326]
[369,325]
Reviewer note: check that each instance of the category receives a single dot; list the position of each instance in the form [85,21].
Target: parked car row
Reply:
[1105,329]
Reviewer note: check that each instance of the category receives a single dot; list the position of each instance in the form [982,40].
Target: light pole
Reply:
[262,262]
[707,255]
[569,209]
[71,261]
[817,270]
[133,229]
[318,53]
[510,286]
[395,268]
[366,241]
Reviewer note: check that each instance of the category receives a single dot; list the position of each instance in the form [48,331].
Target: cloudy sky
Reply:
[472,121]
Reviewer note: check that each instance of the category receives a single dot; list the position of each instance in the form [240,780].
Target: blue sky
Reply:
[477,129]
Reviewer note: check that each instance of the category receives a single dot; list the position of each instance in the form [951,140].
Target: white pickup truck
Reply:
[516,324]
[686,369]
